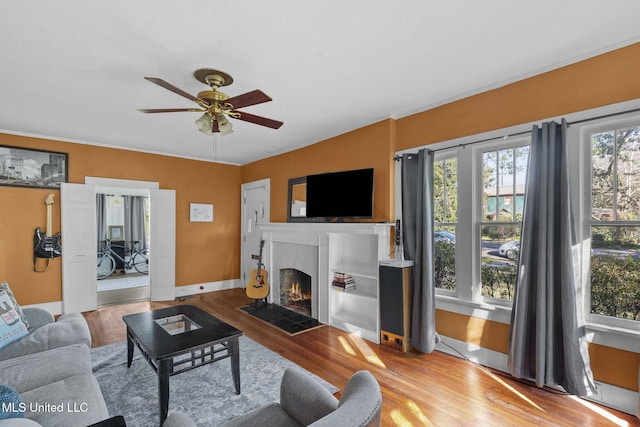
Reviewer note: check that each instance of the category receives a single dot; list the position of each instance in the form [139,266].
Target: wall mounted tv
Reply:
[345,194]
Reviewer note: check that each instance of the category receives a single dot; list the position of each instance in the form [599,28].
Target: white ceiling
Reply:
[73,69]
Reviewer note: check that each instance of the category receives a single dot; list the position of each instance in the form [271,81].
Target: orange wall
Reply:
[599,81]
[205,252]
[370,146]
[602,80]
[609,365]
[210,252]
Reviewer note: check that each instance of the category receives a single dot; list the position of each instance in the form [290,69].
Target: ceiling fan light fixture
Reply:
[205,124]
[223,125]
[215,104]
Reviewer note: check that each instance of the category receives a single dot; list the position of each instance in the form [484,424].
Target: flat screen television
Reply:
[345,194]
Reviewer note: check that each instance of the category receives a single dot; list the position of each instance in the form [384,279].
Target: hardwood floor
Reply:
[418,389]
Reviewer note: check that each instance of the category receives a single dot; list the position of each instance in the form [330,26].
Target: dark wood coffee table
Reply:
[165,336]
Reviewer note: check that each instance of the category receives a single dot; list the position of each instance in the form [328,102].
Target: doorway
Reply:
[78,222]
[122,226]
[256,204]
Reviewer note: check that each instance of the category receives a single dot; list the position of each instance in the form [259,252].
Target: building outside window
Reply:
[503,190]
[479,196]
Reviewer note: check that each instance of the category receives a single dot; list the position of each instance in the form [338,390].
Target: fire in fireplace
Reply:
[295,290]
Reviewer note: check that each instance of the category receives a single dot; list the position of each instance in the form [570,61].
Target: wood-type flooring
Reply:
[418,389]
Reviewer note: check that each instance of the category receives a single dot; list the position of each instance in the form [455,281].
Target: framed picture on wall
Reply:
[116,232]
[26,167]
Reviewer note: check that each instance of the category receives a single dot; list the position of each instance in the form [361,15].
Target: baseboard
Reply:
[199,288]
[55,307]
[615,397]
[476,354]
[608,395]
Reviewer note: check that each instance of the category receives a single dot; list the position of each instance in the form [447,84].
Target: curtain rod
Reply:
[398,158]
[115,195]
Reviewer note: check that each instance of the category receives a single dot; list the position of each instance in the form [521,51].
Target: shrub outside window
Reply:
[615,223]
[503,190]
[445,211]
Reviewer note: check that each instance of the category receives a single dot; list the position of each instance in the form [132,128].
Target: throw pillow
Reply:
[5,287]
[11,405]
[11,326]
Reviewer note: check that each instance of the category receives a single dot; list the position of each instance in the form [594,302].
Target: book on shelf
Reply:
[343,282]
[342,288]
[342,277]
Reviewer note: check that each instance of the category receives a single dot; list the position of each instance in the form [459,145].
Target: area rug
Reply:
[206,393]
[282,318]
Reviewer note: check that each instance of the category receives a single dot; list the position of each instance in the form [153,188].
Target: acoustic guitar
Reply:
[257,288]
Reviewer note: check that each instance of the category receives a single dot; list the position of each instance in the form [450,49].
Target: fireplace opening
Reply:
[295,290]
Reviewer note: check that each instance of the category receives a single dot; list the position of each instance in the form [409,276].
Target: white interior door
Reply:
[162,243]
[255,211]
[78,223]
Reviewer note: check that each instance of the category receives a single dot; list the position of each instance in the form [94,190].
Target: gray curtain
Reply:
[101,219]
[134,221]
[417,225]
[547,341]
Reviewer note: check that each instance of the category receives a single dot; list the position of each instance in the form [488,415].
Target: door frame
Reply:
[265,215]
[122,183]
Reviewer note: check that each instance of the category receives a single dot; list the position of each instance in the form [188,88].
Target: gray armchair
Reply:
[304,402]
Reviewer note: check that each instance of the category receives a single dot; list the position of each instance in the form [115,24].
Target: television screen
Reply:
[346,194]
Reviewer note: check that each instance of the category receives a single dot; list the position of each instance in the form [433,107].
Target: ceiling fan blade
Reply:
[250,98]
[262,121]
[169,110]
[173,89]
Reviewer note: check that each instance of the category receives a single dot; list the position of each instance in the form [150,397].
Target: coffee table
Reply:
[178,339]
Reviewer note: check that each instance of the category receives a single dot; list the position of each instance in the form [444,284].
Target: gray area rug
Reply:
[205,393]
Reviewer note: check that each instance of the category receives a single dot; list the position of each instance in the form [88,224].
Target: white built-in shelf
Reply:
[361,269]
[364,326]
[357,293]
[350,248]
[357,254]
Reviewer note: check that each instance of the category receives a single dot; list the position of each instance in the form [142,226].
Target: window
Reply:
[479,193]
[503,189]
[615,224]
[445,212]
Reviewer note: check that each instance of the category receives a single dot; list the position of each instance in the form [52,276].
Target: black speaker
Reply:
[395,303]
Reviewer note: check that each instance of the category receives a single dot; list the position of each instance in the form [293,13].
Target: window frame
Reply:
[466,301]
[469,218]
[443,156]
[506,143]
[579,141]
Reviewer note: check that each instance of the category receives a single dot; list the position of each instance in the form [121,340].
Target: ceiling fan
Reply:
[216,105]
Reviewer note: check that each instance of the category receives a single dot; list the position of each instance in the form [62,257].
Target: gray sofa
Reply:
[51,370]
[304,402]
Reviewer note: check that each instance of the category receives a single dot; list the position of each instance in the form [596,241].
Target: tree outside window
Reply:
[615,223]
[503,192]
[445,211]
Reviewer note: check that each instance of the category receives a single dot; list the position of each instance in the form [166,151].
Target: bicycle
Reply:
[107,259]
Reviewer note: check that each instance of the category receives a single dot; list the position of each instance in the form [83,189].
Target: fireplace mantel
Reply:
[321,236]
